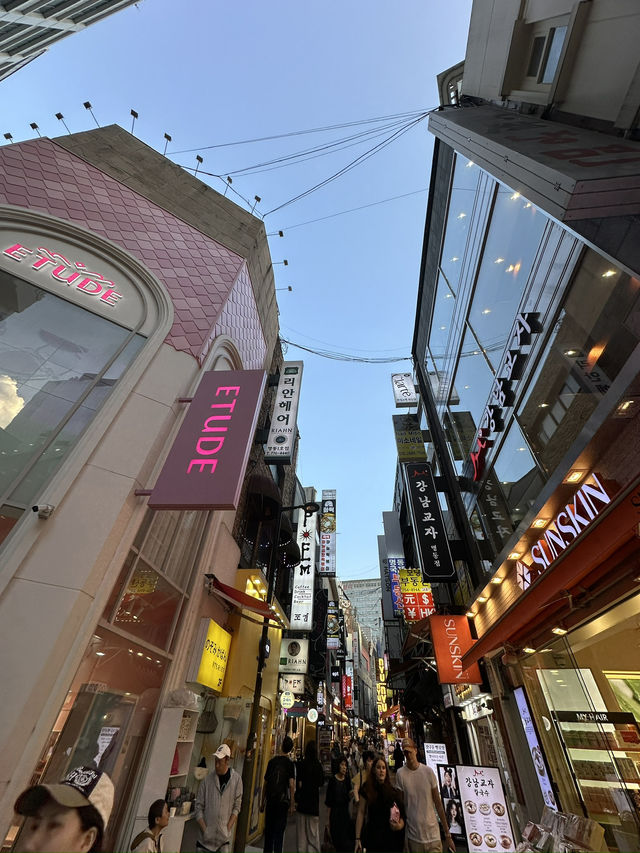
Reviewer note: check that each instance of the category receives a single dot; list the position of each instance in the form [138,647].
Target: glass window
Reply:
[555,41]
[518,476]
[514,235]
[594,335]
[536,55]
[461,202]
[53,355]
[148,607]
[443,308]
[470,392]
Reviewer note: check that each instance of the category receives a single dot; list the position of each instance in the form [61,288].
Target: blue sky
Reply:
[208,73]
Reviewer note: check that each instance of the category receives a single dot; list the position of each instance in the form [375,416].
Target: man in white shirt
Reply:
[421,800]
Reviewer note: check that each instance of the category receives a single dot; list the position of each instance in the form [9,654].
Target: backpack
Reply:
[278,775]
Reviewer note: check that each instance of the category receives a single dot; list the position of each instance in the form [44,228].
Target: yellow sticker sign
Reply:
[215,655]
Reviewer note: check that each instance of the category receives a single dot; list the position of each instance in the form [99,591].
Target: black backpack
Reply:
[278,775]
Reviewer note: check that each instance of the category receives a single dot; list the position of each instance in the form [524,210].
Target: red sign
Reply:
[451,641]
[347,692]
[206,464]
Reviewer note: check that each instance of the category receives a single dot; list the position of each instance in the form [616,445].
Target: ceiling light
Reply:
[608,273]
[481,599]
[541,651]
[471,614]
[529,650]
[624,406]
[515,196]
[486,311]
[100,654]
[574,476]
[499,261]
[497,580]
[510,268]
[559,631]
[543,406]
[540,522]
[461,215]
[514,555]
[571,352]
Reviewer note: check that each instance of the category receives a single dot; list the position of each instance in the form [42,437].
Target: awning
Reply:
[611,537]
[241,599]
[394,709]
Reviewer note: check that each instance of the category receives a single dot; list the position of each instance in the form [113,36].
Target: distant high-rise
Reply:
[28,28]
[366,596]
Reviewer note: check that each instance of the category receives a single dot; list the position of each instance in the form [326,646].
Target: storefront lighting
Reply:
[540,523]
[528,650]
[574,476]
[559,631]
[514,555]
[497,580]
[481,599]
[471,614]
[608,273]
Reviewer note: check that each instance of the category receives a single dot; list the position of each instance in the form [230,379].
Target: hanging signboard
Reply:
[327,566]
[484,809]
[283,430]
[409,440]
[304,572]
[404,391]
[452,639]
[318,635]
[417,598]
[292,683]
[333,626]
[430,536]
[294,655]
[206,464]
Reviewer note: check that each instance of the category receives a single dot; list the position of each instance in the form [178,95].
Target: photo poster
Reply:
[451,801]
[484,806]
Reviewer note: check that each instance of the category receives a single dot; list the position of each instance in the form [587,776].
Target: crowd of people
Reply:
[366,809]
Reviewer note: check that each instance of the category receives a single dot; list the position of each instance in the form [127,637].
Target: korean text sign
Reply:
[484,807]
[214,657]
[428,526]
[282,433]
[206,464]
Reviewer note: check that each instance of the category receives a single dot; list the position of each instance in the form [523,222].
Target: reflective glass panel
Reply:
[519,479]
[443,308]
[461,202]
[470,392]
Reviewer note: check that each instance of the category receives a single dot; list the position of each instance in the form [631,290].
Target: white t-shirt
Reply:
[417,785]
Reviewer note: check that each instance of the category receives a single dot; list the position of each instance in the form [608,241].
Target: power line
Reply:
[355,349]
[299,132]
[338,356]
[354,209]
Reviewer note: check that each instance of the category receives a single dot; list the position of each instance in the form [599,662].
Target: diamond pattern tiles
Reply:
[198,272]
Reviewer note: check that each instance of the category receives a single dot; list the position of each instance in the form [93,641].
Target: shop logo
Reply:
[72,274]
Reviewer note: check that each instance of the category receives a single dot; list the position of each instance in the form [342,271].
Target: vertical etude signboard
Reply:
[428,525]
[304,573]
[282,433]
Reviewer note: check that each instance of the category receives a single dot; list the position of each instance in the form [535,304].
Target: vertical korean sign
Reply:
[328,533]
[428,525]
[304,572]
[282,433]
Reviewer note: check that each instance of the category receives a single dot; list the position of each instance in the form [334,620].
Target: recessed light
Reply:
[608,273]
[497,580]
[559,631]
[514,555]
[471,614]
[481,599]
[529,650]
[540,522]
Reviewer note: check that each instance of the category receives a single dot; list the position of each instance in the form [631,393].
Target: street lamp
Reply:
[250,752]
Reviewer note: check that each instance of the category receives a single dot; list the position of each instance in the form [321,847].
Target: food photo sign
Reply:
[486,818]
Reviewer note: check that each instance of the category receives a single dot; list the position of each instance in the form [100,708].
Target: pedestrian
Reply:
[337,800]
[398,757]
[150,840]
[278,797]
[69,817]
[218,803]
[309,781]
[360,777]
[422,801]
[336,755]
[381,815]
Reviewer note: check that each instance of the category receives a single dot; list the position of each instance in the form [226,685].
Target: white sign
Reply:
[434,754]
[283,429]
[304,573]
[404,391]
[294,655]
[287,700]
[292,683]
[328,533]
[484,809]
[536,751]
[312,715]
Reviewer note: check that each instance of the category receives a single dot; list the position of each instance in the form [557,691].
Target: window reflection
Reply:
[443,309]
[513,239]
[518,477]
[461,202]
[470,392]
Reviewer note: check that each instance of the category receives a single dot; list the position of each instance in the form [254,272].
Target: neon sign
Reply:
[72,274]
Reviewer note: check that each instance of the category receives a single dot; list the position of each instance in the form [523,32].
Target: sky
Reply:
[210,73]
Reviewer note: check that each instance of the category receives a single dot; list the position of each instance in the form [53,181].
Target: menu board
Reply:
[450,793]
[434,754]
[486,819]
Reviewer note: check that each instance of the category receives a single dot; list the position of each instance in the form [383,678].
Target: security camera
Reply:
[43,510]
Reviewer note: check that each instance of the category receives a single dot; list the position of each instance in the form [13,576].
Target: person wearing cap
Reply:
[422,801]
[150,840]
[68,817]
[218,804]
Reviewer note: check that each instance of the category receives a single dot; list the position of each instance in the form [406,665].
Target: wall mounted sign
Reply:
[537,755]
[209,664]
[318,635]
[404,391]
[432,543]
[284,427]
[409,440]
[304,572]
[294,654]
[502,391]
[417,598]
[451,641]
[333,626]
[434,754]
[206,464]
[327,565]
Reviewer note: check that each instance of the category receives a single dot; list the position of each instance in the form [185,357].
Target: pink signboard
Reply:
[206,464]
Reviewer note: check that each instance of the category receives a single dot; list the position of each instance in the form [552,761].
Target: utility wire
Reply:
[354,209]
[339,356]
[299,132]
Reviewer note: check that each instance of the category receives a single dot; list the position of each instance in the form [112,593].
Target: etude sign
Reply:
[206,464]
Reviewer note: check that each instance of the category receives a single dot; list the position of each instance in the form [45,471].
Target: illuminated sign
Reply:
[212,662]
[404,391]
[432,543]
[207,461]
[451,641]
[568,524]
[304,572]
[72,274]
[417,598]
[294,655]
[327,565]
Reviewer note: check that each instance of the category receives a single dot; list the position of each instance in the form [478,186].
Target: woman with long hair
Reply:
[381,814]
[339,793]
[454,817]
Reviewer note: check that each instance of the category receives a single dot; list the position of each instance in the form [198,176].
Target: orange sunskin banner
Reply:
[451,641]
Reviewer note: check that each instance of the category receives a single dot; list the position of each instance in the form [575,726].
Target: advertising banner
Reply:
[347,692]
[450,793]
[429,532]
[409,440]
[328,533]
[282,433]
[294,655]
[484,809]
[292,684]
[404,391]
[452,639]
[536,750]
[417,598]
[333,626]
[304,573]
[318,636]
[206,464]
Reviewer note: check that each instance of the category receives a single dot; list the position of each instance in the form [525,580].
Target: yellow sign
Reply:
[215,655]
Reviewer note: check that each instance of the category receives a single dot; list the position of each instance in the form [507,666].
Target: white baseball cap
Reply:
[223,751]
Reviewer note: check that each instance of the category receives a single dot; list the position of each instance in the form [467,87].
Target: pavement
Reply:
[289,845]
